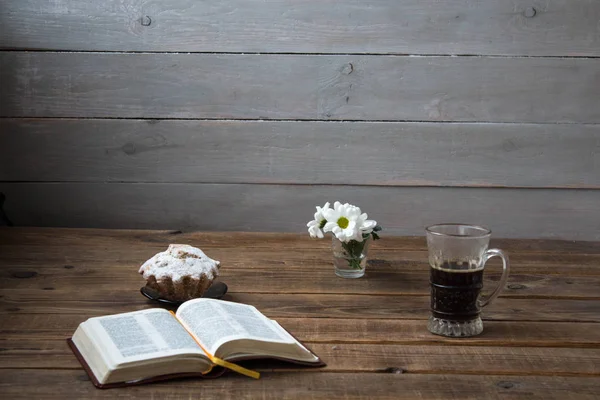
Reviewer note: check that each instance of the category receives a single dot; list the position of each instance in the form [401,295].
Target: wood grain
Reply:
[344,87]
[22,326]
[401,211]
[343,357]
[15,384]
[105,301]
[556,27]
[383,260]
[396,154]
[496,333]
[315,277]
[371,332]
[21,238]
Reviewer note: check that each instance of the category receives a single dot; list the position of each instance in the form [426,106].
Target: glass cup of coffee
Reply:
[457,257]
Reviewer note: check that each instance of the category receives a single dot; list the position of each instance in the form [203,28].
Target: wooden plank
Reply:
[21,326]
[26,384]
[542,361]
[396,154]
[556,27]
[344,87]
[136,239]
[459,359]
[496,333]
[541,213]
[290,278]
[382,259]
[110,301]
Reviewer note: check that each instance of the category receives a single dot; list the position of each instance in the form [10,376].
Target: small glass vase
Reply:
[350,259]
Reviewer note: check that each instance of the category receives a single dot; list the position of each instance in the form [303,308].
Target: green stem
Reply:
[354,250]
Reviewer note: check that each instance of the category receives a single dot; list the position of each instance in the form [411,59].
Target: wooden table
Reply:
[541,338]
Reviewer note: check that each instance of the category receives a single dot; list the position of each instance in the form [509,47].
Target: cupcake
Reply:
[180,273]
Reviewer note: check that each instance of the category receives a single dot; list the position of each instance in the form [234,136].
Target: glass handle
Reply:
[505,268]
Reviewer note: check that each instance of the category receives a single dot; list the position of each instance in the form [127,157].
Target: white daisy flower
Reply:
[343,221]
[315,227]
[365,225]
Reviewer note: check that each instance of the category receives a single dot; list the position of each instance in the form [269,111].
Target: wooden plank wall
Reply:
[244,115]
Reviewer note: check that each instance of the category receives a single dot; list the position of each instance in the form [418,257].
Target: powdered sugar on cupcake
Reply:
[178,261]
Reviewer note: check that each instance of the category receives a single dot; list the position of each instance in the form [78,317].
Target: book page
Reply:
[215,322]
[145,334]
[309,354]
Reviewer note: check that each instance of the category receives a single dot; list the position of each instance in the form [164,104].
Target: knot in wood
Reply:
[530,12]
[23,274]
[146,20]
[348,69]
[129,148]
[505,384]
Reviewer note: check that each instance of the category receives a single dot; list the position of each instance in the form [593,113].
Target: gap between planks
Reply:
[330,121]
[374,185]
[293,53]
[382,371]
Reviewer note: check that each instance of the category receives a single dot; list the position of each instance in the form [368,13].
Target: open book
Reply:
[155,344]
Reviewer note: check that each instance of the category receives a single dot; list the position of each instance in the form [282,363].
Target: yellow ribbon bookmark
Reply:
[220,362]
[234,367]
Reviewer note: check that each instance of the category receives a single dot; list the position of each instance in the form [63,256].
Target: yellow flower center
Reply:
[343,222]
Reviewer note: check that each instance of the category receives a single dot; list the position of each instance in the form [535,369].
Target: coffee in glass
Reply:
[457,256]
